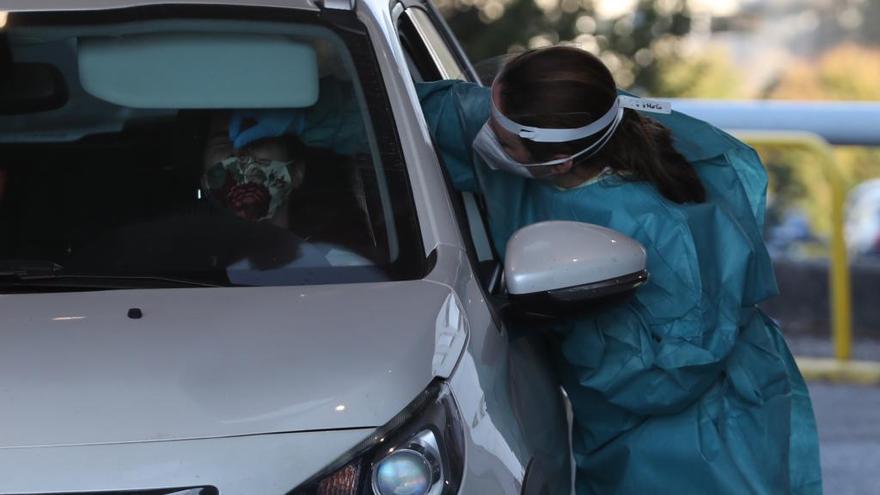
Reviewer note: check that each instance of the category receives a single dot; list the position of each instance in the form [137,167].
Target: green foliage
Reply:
[709,74]
[847,72]
[630,44]
[797,181]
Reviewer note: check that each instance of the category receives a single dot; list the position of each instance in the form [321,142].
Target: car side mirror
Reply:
[552,268]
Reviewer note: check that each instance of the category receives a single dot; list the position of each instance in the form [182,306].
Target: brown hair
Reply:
[563,87]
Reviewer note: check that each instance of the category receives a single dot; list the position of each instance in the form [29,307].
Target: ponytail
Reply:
[642,148]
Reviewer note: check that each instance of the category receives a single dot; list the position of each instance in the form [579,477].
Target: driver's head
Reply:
[255,182]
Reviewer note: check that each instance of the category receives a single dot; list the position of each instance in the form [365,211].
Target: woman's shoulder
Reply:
[633,207]
[462,91]
[633,194]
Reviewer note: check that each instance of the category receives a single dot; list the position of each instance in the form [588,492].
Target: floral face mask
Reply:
[251,187]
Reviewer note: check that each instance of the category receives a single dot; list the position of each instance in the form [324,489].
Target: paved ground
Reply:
[849,432]
[820,346]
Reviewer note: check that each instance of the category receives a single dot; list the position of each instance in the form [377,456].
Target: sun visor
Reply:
[199,70]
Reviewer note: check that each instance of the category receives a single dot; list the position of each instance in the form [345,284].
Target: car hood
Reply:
[75,368]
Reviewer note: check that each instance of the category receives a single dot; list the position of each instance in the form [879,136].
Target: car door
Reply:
[433,54]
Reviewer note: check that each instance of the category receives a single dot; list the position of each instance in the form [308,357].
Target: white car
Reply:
[356,341]
[863,219]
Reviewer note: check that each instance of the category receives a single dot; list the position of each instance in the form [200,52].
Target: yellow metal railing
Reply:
[839,276]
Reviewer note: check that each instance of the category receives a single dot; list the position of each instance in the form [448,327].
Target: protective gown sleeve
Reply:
[660,351]
[336,122]
[455,111]
[663,349]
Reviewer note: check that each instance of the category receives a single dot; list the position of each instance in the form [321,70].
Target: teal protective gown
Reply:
[687,388]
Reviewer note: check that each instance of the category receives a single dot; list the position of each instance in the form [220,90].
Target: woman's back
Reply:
[686,385]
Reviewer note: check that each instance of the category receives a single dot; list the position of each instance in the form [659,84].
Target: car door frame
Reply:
[425,22]
[528,351]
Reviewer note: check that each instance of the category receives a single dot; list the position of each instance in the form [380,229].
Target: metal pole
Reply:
[838,274]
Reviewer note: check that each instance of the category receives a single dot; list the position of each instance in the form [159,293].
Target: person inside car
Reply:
[258,183]
[255,182]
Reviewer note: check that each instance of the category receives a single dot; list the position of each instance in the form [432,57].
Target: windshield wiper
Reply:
[13,269]
[71,281]
[124,281]
[40,273]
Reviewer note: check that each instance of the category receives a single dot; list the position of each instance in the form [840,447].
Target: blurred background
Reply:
[792,50]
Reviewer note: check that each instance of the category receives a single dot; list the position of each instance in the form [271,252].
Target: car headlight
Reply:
[419,452]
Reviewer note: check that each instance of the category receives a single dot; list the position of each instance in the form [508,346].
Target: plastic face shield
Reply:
[490,149]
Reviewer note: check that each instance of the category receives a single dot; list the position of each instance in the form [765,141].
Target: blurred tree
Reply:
[708,74]
[869,22]
[631,36]
[846,72]
[797,183]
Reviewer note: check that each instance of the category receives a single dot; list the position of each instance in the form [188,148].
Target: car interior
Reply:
[61,196]
[97,186]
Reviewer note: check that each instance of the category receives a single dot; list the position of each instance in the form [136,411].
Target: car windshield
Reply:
[117,169]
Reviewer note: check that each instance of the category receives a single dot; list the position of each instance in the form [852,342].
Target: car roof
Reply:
[50,5]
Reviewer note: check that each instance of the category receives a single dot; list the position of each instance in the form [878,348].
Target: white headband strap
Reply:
[541,135]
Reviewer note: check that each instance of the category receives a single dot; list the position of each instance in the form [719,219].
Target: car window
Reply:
[422,37]
[116,158]
[421,64]
[431,58]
